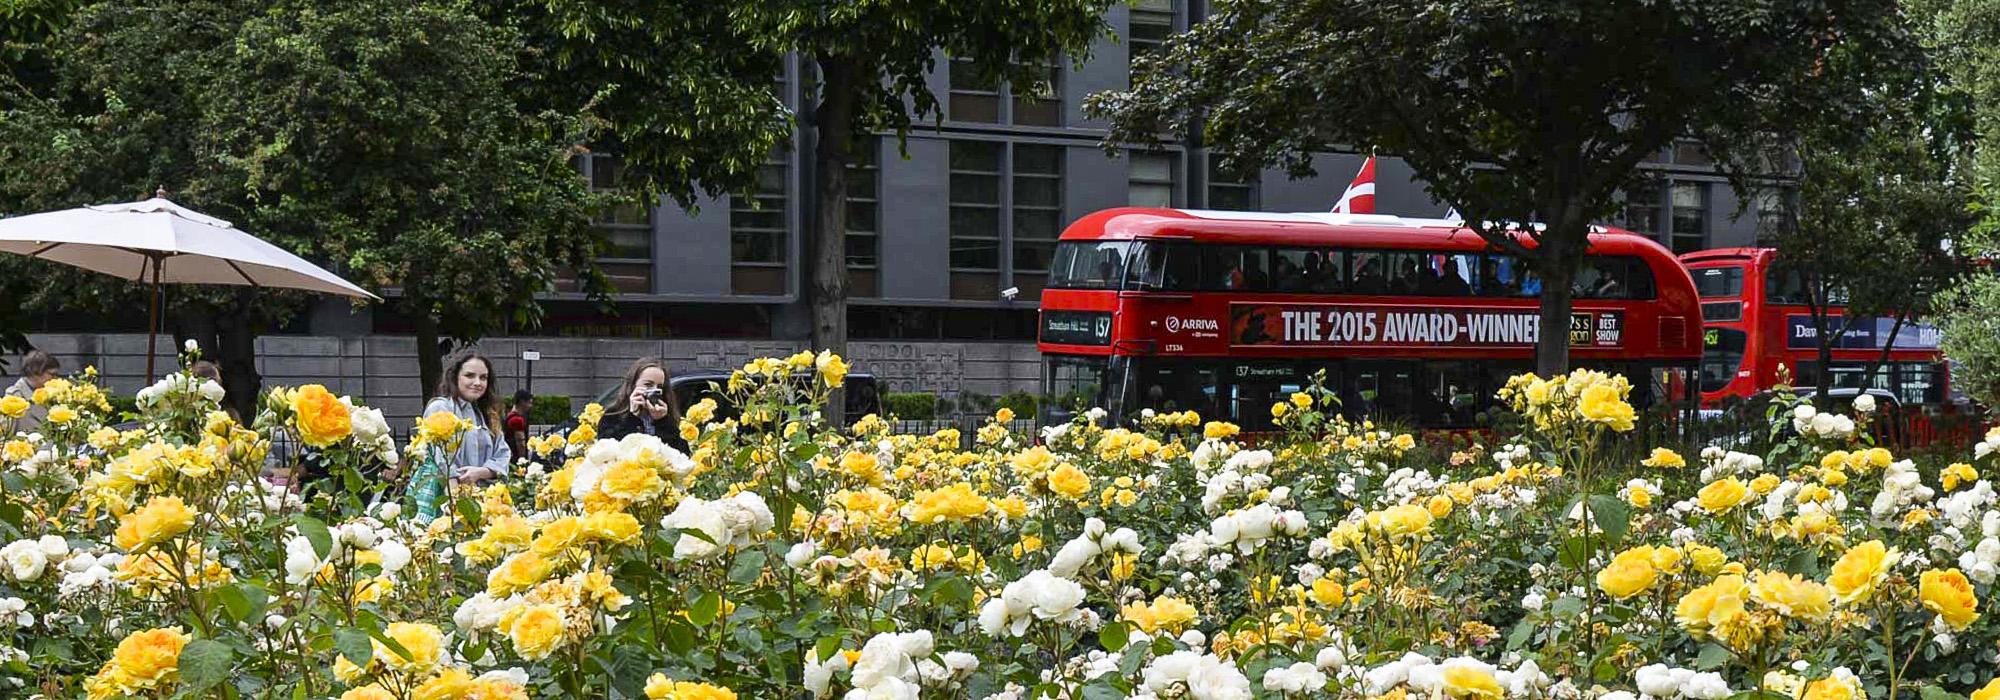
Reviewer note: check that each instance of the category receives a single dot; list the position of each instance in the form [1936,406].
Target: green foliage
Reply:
[1022,403]
[914,405]
[549,410]
[1537,110]
[1962,36]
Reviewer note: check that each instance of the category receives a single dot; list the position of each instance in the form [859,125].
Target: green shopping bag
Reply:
[429,487]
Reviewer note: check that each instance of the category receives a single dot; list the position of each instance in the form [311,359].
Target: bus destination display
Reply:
[1378,326]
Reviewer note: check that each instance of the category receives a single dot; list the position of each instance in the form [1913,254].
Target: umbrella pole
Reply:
[153,321]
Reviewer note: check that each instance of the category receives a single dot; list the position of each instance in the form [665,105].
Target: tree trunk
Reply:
[1558,256]
[430,350]
[236,357]
[833,123]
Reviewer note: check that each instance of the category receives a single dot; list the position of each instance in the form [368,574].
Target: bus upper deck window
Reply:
[1089,265]
[1308,271]
[1238,268]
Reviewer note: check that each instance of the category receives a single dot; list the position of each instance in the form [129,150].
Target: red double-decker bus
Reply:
[1419,320]
[1756,317]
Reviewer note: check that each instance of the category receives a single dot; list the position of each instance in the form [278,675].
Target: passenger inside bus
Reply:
[1408,279]
[1369,279]
[1491,283]
[1322,273]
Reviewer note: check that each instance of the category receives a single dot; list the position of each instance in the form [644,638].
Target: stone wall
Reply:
[382,370]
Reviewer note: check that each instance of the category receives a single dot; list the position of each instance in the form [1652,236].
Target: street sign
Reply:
[531,355]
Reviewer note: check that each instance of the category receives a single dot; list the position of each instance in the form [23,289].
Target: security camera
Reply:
[1010,292]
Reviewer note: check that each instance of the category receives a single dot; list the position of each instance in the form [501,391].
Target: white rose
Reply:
[395,555]
[25,560]
[1073,556]
[802,554]
[190,346]
[1051,597]
[1300,677]
[1215,679]
[1705,686]
[53,545]
[1864,403]
[694,514]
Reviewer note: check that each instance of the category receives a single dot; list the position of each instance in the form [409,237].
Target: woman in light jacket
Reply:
[466,391]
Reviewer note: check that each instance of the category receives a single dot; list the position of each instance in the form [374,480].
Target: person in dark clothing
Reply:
[515,425]
[645,404]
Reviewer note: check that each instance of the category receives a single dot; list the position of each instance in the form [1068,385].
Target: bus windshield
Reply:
[1722,355]
[1089,264]
[1711,282]
[1075,380]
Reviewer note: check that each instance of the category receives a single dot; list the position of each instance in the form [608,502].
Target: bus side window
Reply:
[1240,268]
[1499,276]
[1455,274]
[1371,272]
[1407,275]
[1639,276]
[1172,266]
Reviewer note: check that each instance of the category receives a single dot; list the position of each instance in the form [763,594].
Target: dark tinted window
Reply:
[1181,266]
[1721,357]
[1613,277]
[1785,286]
[1089,265]
[1718,282]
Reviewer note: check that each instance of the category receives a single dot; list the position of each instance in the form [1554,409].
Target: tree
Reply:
[1521,111]
[1877,214]
[1962,35]
[385,137]
[870,63]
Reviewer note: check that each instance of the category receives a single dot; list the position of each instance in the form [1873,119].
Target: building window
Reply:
[973,98]
[1774,209]
[758,235]
[975,219]
[1229,191]
[1152,22]
[977,99]
[1040,104]
[864,210]
[1151,181]
[1691,153]
[1643,208]
[1690,221]
[1037,209]
[627,224]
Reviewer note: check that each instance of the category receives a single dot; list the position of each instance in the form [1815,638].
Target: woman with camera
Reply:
[645,404]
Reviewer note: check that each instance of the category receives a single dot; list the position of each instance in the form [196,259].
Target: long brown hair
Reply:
[622,403]
[487,405]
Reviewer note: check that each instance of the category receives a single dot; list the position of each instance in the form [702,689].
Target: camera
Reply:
[655,395]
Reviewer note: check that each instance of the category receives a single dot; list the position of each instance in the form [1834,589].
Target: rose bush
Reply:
[1162,559]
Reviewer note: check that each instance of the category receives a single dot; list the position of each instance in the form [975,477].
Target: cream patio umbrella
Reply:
[159,242]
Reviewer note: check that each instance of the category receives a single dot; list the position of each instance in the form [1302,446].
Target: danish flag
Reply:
[1360,195]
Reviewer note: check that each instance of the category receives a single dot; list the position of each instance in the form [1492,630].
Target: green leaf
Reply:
[826,648]
[1575,553]
[705,609]
[749,565]
[1610,515]
[234,603]
[204,663]
[1518,638]
[1566,606]
[1113,636]
[316,533]
[1931,692]
[1712,657]
[1102,689]
[353,644]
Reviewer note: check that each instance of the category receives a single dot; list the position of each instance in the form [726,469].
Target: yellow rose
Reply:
[659,687]
[1400,521]
[1764,484]
[1664,458]
[1328,592]
[631,481]
[1723,494]
[1860,570]
[1948,594]
[557,536]
[535,630]
[518,573]
[424,644]
[1439,506]
[1640,498]
[159,520]
[1792,596]
[1833,688]
[832,369]
[13,406]
[1879,458]
[1278,410]
[320,417]
[371,691]
[1604,403]
[1990,692]
[957,502]
[1218,430]
[701,412]
[1629,574]
[148,659]
[611,526]
[451,684]
[1711,606]
[1014,507]
[1667,560]
[1069,481]
[862,465]
[1538,391]
[1958,473]
[17,450]
[1173,614]
[61,414]
[1469,683]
